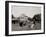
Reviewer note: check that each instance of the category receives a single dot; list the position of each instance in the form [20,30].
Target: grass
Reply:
[16,27]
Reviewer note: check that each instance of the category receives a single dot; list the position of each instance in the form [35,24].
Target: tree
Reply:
[13,16]
[37,18]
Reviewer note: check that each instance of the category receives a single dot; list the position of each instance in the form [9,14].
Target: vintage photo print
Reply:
[25,17]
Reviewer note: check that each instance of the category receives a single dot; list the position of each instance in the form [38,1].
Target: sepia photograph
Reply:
[25,17]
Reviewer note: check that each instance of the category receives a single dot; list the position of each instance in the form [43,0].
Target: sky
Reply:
[29,11]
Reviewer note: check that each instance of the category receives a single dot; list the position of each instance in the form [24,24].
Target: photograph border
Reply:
[7,17]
